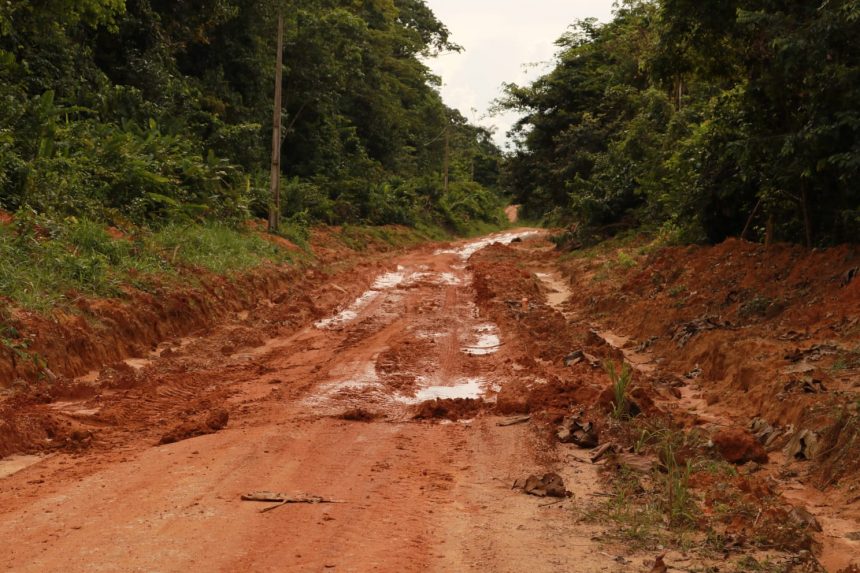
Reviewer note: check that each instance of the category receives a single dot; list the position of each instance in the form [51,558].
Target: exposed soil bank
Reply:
[106,344]
[74,341]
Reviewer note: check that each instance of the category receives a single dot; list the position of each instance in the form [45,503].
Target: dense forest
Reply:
[699,120]
[696,120]
[140,112]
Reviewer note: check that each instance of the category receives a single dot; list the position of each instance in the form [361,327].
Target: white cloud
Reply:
[500,38]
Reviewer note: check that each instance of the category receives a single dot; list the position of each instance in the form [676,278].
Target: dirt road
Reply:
[331,391]
[417,496]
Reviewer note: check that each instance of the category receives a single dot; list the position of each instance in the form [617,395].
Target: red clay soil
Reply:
[417,496]
[276,394]
[765,339]
[679,350]
[738,446]
[101,334]
[769,333]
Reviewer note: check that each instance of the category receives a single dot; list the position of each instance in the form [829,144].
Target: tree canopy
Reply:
[148,110]
[701,118]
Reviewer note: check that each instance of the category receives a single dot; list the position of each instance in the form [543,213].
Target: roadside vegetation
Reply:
[44,261]
[135,138]
[147,112]
[697,121]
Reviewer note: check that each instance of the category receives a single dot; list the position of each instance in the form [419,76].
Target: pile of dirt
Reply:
[541,379]
[199,426]
[452,409]
[548,485]
[738,446]
[25,434]
[555,395]
[359,415]
[25,431]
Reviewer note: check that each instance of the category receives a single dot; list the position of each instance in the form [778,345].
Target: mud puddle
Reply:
[470,388]
[473,247]
[485,340]
[76,408]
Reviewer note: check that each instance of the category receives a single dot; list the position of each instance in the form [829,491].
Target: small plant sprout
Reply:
[620,381]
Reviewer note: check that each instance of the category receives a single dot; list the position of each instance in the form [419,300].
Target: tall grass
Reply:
[217,248]
[45,263]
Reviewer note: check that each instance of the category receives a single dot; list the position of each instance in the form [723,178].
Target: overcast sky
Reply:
[500,38]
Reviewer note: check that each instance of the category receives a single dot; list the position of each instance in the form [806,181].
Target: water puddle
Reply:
[486,341]
[468,388]
[640,360]
[559,291]
[382,283]
[365,380]
[473,247]
[449,279]
[138,363]
[74,409]
[389,280]
[428,335]
[442,279]
[348,314]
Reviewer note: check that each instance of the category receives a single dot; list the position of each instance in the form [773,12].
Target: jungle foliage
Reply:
[701,119]
[148,112]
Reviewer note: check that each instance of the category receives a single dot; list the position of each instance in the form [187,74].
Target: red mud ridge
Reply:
[200,426]
[771,333]
[103,333]
[452,409]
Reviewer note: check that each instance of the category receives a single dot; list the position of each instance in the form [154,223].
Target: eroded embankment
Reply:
[104,344]
[744,390]
[770,334]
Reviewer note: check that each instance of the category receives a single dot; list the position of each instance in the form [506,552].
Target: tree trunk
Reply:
[807,222]
[275,178]
[446,160]
[750,220]
[768,235]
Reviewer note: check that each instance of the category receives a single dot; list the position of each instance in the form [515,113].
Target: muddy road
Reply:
[389,389]
[417,496]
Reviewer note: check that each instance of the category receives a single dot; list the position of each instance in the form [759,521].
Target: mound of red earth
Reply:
[770,333]
[358,415]
[200,426]
[738,446]
[448,409]
[726,338]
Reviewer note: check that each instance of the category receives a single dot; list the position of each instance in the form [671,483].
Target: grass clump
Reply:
[620,382]
[217,248]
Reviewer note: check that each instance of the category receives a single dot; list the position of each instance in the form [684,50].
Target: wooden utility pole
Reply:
[446,161]
[275,180]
